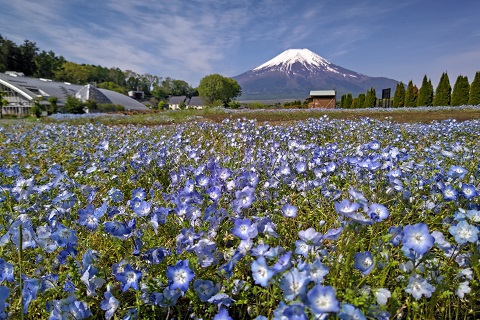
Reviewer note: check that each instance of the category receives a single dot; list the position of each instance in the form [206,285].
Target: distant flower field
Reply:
[352,219]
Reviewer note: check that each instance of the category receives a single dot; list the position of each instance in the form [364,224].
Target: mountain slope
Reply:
[295,72]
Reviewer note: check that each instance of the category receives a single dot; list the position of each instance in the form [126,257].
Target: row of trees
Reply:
[364,100]
[27,58]
[463,93]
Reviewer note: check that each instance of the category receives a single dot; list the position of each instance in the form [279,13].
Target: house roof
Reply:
[322,93]
[30,88]
[195,101]
[177,99]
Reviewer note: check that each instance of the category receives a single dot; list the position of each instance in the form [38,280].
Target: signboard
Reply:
[386,93]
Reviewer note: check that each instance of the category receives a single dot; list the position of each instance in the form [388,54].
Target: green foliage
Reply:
[342,101]
[361,100]
[461,91]
[474,98]
[182,105]
[35,109]
[411,95]
[348,101]
[399,96]
[53,108]
[110,85]
[74,105]
[443,93]
[216,87]
[161,105]
[425,94]
[370,98]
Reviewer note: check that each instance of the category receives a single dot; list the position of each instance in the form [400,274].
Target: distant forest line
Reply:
[33,62]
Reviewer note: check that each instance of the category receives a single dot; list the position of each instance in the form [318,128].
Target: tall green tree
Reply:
[215,87]
[425,94]
[342,101]
[461,91]
[443,93]
[474,98]
[410,97]
[46,64]
[370,98]
[348,101]
[361,100]
[399,96]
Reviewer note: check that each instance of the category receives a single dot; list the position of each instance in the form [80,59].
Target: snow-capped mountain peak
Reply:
[285,60]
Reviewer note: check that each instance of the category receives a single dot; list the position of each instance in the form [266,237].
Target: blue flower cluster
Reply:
[352,218]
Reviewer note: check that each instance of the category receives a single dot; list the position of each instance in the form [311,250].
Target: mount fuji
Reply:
[295,72]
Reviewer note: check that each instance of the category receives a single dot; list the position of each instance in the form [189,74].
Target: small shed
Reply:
[322,99]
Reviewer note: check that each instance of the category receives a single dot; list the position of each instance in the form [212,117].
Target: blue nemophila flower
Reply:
[139,193]
[302,248]
[464,232]
[48,281]
[473,215]
[462,289]
[64,236]
[321,299]
[350,312]
[333,234]
[456,172]
[29,292]
[373,145]
[295,311]
[129,277]
[70,308]
[4,293]
[417,238]
[468,191]
[109,305]
[382,296]
[364,262]
[317,270]
[310,236]
[117,229]
[6,271]
[180,275]
[115,195]
[261,272]
[418,287]
[449,193]
[283,263]
[244,229]
[91,281]
[205,289]
[397,235]
[289,211]
[377,212]
[294,283]
[90,217]
[222,315]
[346,207]
[221,299]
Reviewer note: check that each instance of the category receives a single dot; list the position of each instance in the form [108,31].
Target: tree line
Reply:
[28,59]
[463,93]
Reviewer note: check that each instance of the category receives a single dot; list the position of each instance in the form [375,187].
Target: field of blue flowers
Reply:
[348,219]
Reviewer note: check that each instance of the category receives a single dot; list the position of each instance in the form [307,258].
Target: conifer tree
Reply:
[370,98]
[361,100]
[461,91]
[410,98]
[348,101]
[399,96]
[425,94]
[443,93]
[342,101]
[354,103]
[474,98]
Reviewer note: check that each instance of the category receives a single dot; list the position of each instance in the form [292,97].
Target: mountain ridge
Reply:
[295,72]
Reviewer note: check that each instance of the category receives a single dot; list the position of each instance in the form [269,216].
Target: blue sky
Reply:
[189,39]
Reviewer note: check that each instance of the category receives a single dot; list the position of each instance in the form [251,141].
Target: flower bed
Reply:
[353,218]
